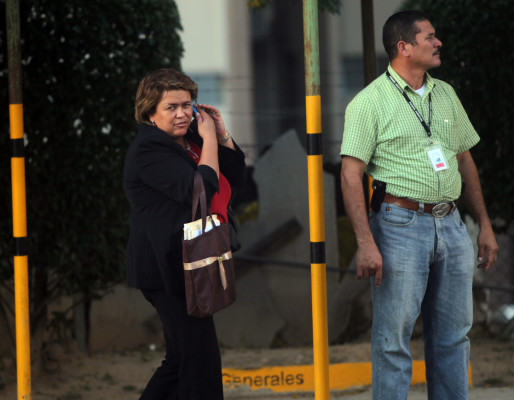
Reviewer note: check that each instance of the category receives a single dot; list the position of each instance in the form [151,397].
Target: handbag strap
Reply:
[200,196]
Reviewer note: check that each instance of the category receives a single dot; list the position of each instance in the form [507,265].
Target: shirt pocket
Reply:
[445,129]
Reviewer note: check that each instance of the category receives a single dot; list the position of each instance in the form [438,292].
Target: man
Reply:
[410,133]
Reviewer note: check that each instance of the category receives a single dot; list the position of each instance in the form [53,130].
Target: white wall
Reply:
[204,35]
[351,26]
[217,44]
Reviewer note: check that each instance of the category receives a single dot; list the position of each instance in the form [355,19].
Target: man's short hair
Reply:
[401,27]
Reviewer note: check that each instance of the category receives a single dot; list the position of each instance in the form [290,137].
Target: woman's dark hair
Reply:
[401,27]
[152,87]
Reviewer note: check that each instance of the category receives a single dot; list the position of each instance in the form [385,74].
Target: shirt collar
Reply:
[404,85]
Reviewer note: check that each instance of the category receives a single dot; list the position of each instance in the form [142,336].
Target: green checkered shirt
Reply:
[382,130]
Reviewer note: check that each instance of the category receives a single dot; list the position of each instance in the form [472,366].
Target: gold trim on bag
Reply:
[208,261]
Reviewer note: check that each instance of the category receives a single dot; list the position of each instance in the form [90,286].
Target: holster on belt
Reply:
[379,191]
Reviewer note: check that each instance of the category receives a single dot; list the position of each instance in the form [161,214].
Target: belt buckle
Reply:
[441,209]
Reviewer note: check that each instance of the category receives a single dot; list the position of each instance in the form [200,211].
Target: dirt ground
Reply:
[122,375]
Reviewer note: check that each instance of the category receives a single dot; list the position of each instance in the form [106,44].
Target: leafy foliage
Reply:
[477,60]
[81,66]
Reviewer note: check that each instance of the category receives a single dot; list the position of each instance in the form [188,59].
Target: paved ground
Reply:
[72,374]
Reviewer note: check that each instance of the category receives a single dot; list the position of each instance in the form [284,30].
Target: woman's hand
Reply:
[215,114]
[222,135]
[207,130]
[206,125]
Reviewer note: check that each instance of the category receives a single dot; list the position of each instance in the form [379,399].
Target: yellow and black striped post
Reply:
[316,203]
[21,279]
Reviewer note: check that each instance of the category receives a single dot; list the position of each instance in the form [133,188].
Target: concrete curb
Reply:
[416,393]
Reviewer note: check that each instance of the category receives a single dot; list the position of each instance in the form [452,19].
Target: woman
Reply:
[158,179]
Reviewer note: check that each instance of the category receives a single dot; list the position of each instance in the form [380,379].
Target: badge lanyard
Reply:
[434,151]
[427,127]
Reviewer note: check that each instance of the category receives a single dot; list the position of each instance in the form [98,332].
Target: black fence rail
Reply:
[330,268]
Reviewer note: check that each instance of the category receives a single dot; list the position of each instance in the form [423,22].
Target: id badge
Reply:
[436,157]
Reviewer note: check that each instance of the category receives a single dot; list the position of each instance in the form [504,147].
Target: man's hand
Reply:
[474,201]
[487,248]
[369,259]
[369,263]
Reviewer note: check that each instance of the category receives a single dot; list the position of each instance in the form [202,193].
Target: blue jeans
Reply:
[428,267]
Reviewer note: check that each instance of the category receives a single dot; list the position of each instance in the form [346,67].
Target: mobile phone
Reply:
[195,111]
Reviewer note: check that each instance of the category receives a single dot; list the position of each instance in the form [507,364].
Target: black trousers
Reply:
[191,369]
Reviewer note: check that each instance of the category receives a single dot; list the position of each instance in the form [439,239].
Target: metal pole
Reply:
[316,204]
[21,281]
[370,61]
[368,40]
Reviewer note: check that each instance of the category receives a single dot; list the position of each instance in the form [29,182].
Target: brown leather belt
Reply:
[437,210]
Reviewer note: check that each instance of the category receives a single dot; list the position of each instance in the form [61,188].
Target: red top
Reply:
[219,202]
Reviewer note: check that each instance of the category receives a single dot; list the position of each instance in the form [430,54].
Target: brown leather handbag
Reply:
[207,258]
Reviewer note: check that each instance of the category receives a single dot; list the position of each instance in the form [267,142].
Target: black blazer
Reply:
[158,181]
